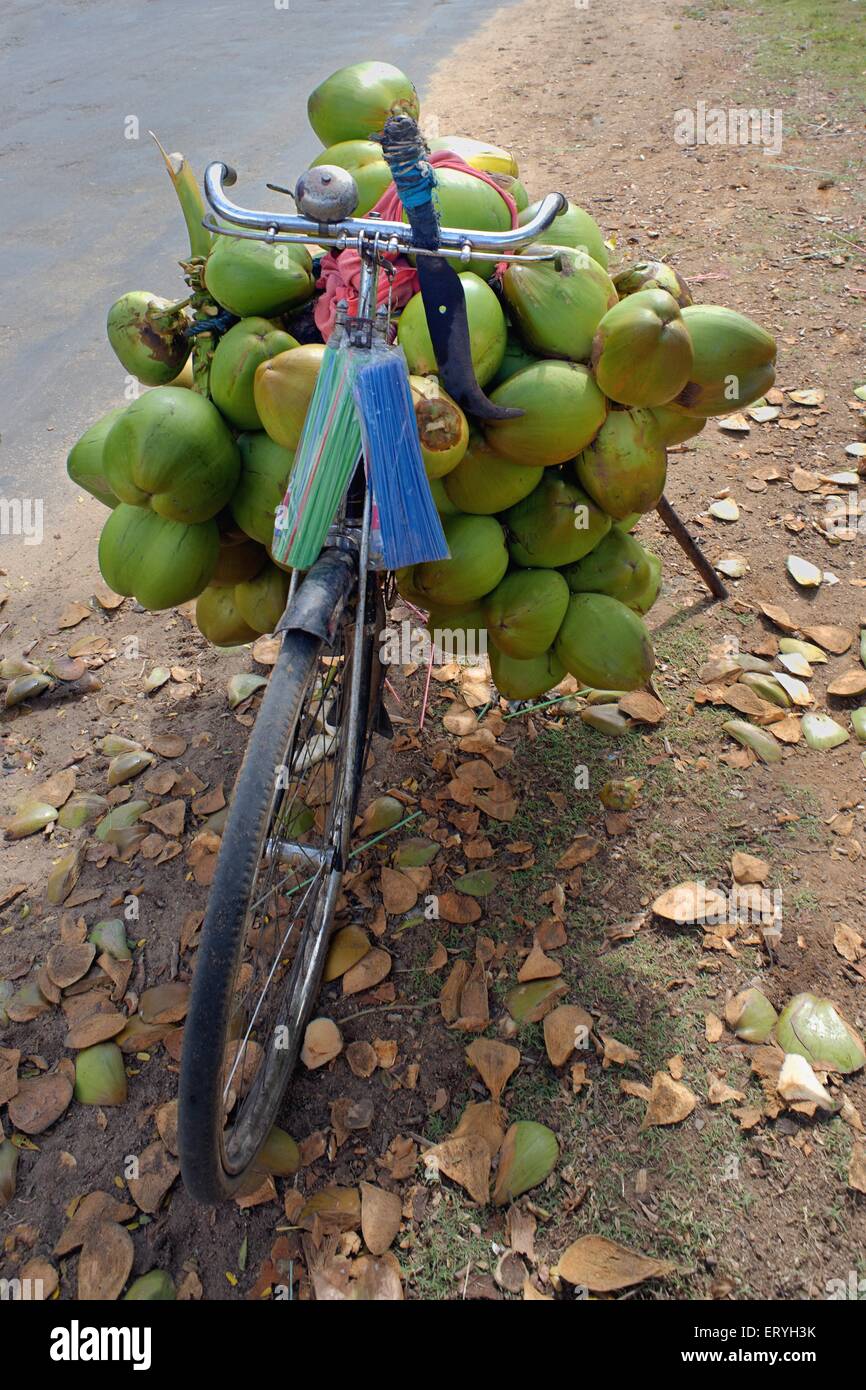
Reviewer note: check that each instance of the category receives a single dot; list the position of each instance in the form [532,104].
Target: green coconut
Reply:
[232,373]
[171,450]
[574,227]
[265,469]
[478,561]
[643,600]
[462,199]
[815,1029]
[100,1075]
[485,482]
[557,305]
[487,331]
[517,679]
[238,561]
[515,187]
[458,632]
[618,566]
[261,601]
[652,275]
[642,352]
[255,278]
[563,410]
[148,335]
[355,102]
[516,357]
[624,468]
[85,461]
[555,525]
[161,563]
[441,500]
[734,361]
[675,427]
[603,644]
[283,389]
[525,610]
[479,154]
[406,586]
[443,430]
[363,159]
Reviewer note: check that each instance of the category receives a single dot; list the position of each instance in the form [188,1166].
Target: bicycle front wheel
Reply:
[265,934]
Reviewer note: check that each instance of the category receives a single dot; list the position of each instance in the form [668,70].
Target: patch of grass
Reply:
[447,1246]
[793,41]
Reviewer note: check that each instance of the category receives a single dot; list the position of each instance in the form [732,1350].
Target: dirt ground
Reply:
[743,1203]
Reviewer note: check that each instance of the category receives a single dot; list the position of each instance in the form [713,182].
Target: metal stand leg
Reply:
[687,543]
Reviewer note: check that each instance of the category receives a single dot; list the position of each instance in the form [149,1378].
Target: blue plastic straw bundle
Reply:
[408,520]
[328,450]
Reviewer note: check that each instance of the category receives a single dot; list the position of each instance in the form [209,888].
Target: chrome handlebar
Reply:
[393,237]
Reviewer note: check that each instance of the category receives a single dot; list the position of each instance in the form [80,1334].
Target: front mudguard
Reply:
[319,600]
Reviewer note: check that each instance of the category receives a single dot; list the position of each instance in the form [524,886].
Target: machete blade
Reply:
[448,322]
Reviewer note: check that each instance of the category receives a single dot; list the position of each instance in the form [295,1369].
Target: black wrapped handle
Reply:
[407,156]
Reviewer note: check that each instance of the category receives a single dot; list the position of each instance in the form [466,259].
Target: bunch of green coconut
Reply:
[609,370]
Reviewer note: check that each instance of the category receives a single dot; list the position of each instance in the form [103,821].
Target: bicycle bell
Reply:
[326,194]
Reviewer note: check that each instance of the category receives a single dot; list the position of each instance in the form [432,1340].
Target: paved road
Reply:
[86,213]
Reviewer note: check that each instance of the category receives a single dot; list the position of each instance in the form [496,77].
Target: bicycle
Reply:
[287,837]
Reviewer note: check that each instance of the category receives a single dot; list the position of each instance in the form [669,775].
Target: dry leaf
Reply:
[581,849]
[494,1061]
[369,972]
[595,1263]
[566,1028]
[322,1043]
[381,1213]
[616,1053]
[690,903]
[640,705]
[857,1168]
[156,1173]
[746,868]
[105,1262]
[465,1161]
[399,893]
[487,1120]
[538,966]
[670,1102]
[848,943]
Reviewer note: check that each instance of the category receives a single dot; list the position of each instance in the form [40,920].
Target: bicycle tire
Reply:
[206,1034]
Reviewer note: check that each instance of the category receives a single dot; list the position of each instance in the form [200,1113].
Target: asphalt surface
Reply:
[87,213]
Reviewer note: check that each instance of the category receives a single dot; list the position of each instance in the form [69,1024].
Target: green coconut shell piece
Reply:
[815,1029]
[110,936]
[751,1016]
[530,1002]
[279,1155]
[100,1075]
[528,1155]
[154,1287]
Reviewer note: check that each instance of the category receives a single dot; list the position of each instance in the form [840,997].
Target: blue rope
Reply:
[415,181]
[220,323]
